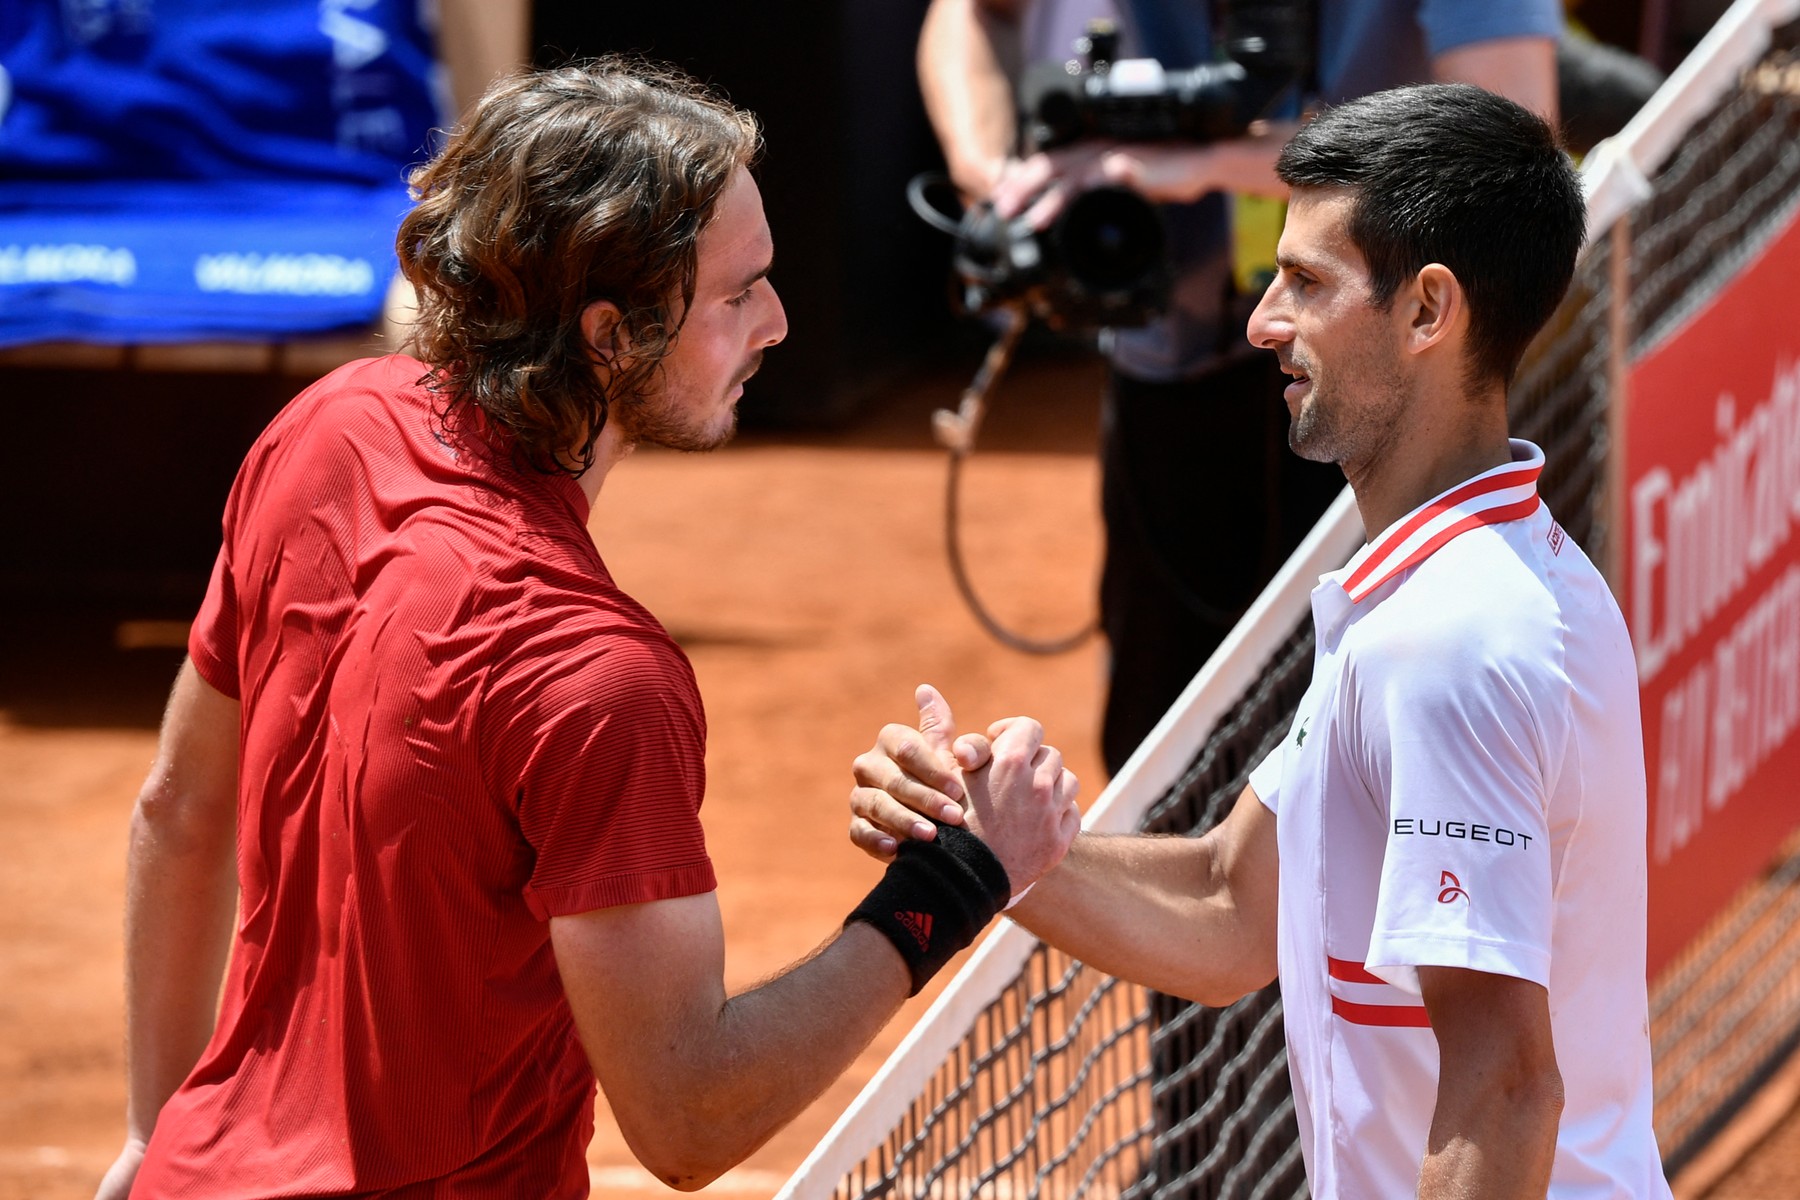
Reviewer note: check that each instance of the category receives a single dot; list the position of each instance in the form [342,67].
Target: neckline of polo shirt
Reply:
[1498,495]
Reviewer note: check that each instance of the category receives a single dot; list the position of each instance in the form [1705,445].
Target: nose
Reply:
[1270,325]
[774,327]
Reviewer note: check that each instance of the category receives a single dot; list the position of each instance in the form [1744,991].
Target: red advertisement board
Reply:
[1711,588]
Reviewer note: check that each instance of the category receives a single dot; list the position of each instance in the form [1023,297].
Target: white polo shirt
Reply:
[1463,786]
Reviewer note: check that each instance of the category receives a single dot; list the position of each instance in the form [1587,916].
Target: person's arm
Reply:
[478,41]
[698,1080]
[181,894]
[963,58]
[1523,69]
[1500,1095]
[1194,917]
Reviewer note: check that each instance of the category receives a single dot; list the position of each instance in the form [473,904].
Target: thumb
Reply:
[1122,170]
[973,751]
[936,722]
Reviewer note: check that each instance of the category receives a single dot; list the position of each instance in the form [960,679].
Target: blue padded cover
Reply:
[182,169]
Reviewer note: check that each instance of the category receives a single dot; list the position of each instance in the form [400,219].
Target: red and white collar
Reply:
[1505,493]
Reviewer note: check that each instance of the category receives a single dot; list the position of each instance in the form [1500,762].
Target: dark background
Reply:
[865,281]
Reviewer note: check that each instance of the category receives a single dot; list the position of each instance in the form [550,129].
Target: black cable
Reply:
[928,212]
[959,571]
[956,430]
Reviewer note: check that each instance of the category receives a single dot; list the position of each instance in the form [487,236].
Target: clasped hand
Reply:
[1007,787]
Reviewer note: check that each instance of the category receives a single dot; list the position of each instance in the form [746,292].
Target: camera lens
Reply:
[1110,240]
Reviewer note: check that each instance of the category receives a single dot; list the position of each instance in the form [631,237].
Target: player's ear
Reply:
[1434,306]
[600,330]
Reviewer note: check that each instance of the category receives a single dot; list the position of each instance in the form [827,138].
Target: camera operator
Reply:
[1201,500]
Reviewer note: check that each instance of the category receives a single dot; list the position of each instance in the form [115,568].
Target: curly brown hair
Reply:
[585,182]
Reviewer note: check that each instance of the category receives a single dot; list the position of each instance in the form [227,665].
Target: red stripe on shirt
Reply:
[1492,516]
[1408,1016]
[1496,482]
[1351,972]
[1516,475]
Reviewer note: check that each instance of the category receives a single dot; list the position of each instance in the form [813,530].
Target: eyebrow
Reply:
[1291,262]
[750,281]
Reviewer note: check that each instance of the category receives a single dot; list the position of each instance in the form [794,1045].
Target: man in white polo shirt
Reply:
[1444,861]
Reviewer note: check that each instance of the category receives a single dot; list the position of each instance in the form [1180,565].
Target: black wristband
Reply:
[934,899]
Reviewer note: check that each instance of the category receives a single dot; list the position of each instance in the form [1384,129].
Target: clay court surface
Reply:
[805,576]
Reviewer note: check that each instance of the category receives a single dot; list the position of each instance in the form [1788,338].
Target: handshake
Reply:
[1007,787]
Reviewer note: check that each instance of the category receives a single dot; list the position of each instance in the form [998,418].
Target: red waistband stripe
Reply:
[1403,1016]
[1392,1016]
[1351,972]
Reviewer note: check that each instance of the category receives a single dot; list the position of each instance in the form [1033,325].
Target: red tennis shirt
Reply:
[455,727]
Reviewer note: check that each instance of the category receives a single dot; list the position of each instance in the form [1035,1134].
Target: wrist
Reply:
[975,176]
[935,898]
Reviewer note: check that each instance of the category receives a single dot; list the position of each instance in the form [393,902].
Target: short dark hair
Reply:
[585,182]
[1452,174]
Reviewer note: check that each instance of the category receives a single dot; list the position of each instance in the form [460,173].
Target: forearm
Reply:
[478,40]
[1155,910]
[180,900]
[1181,173]
[1246,165]
[1494,1146]
[967,88]
[1499,1098]
[697,1080]
[775,1048]
[765,1054]
[1523,69]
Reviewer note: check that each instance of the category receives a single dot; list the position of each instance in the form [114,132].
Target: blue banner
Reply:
[177,169]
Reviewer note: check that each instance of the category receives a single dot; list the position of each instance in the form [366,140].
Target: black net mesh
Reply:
[1073,1084]
[1049,1095]
[1731,181]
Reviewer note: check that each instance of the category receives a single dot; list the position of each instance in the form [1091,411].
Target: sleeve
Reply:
[1265,779]
[1451,24]
[605,759]
[1460,743]
[213,640]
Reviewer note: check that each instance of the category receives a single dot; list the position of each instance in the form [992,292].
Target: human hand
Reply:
[1162,172]
[116,1184]
[1022,803]
[911,774]
[1041,186]
[1020,798]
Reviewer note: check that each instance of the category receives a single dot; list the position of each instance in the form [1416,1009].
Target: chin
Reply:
[1307,439]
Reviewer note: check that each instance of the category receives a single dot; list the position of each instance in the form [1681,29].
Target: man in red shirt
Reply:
[447,774]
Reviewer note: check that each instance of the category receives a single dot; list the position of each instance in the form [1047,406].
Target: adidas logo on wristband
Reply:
[919,925]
